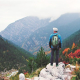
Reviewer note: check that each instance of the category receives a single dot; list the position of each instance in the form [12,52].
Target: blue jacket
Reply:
[50,38]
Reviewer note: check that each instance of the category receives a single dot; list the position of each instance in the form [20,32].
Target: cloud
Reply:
[12,10]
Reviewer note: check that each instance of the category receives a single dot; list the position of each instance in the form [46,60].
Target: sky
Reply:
[12,10]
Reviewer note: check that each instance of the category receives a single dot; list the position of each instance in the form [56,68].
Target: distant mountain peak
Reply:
[21,29]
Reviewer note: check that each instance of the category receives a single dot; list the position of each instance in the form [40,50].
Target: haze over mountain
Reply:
[31,33]
[20,30]
[67,24]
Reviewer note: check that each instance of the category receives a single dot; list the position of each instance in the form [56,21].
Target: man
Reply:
[55,45]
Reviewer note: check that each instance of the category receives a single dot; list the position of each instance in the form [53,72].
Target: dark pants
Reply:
[52,56]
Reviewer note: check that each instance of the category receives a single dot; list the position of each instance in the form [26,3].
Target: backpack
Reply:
[55,41]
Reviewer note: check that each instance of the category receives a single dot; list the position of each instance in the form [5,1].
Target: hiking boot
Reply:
[56,65]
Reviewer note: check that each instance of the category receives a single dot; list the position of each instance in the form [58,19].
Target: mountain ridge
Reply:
[33,41]
[18,31]
[41,36]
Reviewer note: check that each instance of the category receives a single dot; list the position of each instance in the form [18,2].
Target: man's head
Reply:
[55,30]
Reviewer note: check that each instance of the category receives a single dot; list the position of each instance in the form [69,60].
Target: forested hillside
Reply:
[75,37]
[11,56]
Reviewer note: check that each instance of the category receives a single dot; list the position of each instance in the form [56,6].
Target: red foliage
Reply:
[75,54]
[26,73]
[65,62]
[66,50]
[73,46]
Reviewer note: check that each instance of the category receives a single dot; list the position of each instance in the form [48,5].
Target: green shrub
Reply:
[79,60]
[78,75]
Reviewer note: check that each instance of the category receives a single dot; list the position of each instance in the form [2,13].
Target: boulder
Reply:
[36,78]
[21,76]
[53,72]
[43,73]
[41,78]
[72,67]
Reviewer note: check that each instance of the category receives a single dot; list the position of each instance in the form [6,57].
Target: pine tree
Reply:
[32,64]
[41,58]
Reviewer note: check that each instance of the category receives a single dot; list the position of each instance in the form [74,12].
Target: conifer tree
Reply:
[32,64]
[41,58]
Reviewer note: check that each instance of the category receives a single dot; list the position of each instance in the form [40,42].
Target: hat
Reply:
[55,29]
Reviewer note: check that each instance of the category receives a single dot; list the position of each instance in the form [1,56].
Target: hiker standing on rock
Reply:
[55,45]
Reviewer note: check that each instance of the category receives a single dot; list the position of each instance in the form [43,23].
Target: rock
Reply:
[54,73]
[68,66]
[58,79]
[53,78]
[67,70]
[36,78]
[62,65]
[48,67]
[21,76]
[69,78]
[41,78]
[43,73]
[64,77]
[49,77]
[60,70]
[72,67]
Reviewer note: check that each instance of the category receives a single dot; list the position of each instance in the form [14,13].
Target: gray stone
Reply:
[21,76]
[36,78]
[53,73]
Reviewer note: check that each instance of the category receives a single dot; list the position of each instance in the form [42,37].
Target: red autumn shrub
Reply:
[73,46]
[75,54]
[66,50]
[65,62]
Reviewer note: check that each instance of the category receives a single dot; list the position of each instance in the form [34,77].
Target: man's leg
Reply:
[52,56]
[57,56]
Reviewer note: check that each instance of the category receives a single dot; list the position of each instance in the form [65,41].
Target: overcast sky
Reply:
[12,10]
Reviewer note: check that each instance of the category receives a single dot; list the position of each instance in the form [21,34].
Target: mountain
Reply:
[31,33]
[74,38]
[11,56]
[65,19]
[20,30]
[67,25]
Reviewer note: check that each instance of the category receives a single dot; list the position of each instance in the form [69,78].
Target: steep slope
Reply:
[65,19]
[41,36]
[11,56]
[75,37]
[21,29]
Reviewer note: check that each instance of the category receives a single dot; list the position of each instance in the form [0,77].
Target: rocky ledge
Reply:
[54,73]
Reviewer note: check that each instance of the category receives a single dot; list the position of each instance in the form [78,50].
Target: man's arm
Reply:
[50,41]
[60,43]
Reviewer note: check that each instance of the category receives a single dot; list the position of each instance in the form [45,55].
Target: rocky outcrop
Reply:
[55,73]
